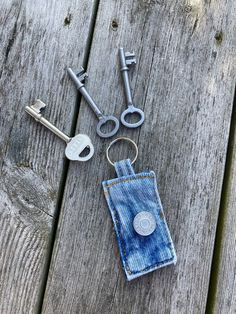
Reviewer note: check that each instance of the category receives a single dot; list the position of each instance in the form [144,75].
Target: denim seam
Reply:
[161,208]
[128,180]
[119,236]
[153,266]
[117,168]
[121,170]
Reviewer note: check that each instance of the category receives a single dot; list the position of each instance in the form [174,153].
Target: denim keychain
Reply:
[142,233]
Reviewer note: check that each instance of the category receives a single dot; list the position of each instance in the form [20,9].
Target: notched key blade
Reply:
[81,74]
[130,58]
[38,106]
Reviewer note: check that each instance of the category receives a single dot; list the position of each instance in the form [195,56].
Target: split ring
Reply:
[122,139]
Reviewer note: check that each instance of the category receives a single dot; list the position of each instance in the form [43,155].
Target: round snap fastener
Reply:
[144,223]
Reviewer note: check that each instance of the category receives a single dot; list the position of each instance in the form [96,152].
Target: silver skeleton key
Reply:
[78,79]
[75,145]
[127,59]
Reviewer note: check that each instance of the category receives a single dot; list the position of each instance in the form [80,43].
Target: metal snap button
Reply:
[144,223]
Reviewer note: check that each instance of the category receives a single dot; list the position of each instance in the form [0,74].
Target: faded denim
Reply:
[126,196]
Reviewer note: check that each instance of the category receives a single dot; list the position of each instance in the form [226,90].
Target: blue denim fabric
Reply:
[126,196]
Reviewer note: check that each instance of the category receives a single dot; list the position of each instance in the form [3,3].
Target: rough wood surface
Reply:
[38,40]
[184,80]
[225,301]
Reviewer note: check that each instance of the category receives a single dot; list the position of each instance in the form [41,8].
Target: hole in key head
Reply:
[108,126]
[85,152]
[133,117]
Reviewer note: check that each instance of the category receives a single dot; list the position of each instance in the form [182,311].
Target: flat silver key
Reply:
[75,145]
[126,60]
[78,79]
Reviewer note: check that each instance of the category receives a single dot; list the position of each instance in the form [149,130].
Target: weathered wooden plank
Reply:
[184,82]
[38,40]
[225,294]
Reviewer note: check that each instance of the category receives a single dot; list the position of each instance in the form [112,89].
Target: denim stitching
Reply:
[118,234]
[130,179]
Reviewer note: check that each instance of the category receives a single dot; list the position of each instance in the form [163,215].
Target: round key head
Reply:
[128,112]
[106,119]
[77,145]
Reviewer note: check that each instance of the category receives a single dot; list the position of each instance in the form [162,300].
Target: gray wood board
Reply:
[184,80]
[225,301]
[38,41]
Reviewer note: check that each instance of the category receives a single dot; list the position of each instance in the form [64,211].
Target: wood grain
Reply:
[225,298]
[184,80]
[38,41]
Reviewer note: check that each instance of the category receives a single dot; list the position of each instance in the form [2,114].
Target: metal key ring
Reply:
[131,109]
[105,119]
[121,139]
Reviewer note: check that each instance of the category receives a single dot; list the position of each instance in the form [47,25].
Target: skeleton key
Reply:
[78,79]
[127,59]
[75,145]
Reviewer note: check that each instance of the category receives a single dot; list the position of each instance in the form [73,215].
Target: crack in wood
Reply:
[195,25]
[13,35]
[11,41]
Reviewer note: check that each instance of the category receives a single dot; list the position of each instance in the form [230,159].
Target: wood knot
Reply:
[187,8]
[219,37]
[114,25]
[214,54]
[193,7]
[67,19]
[153,2]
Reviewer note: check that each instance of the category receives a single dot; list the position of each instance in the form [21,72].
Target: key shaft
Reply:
[81,88]
[124,71]
[39,118]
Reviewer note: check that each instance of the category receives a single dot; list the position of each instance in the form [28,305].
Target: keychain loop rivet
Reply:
[144,223]
[121,139]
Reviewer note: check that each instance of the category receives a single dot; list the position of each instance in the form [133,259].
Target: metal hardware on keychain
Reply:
[142,232]
[78,79]
[75,145]
[127,59]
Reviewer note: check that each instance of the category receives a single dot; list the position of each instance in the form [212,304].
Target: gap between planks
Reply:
[215,266]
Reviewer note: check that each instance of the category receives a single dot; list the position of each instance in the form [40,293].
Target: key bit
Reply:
[81,74]
[130,58]
[78,77]
[38,106]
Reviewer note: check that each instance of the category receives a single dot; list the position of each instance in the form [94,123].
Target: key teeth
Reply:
[130,58]
[38,106]
[81,74]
